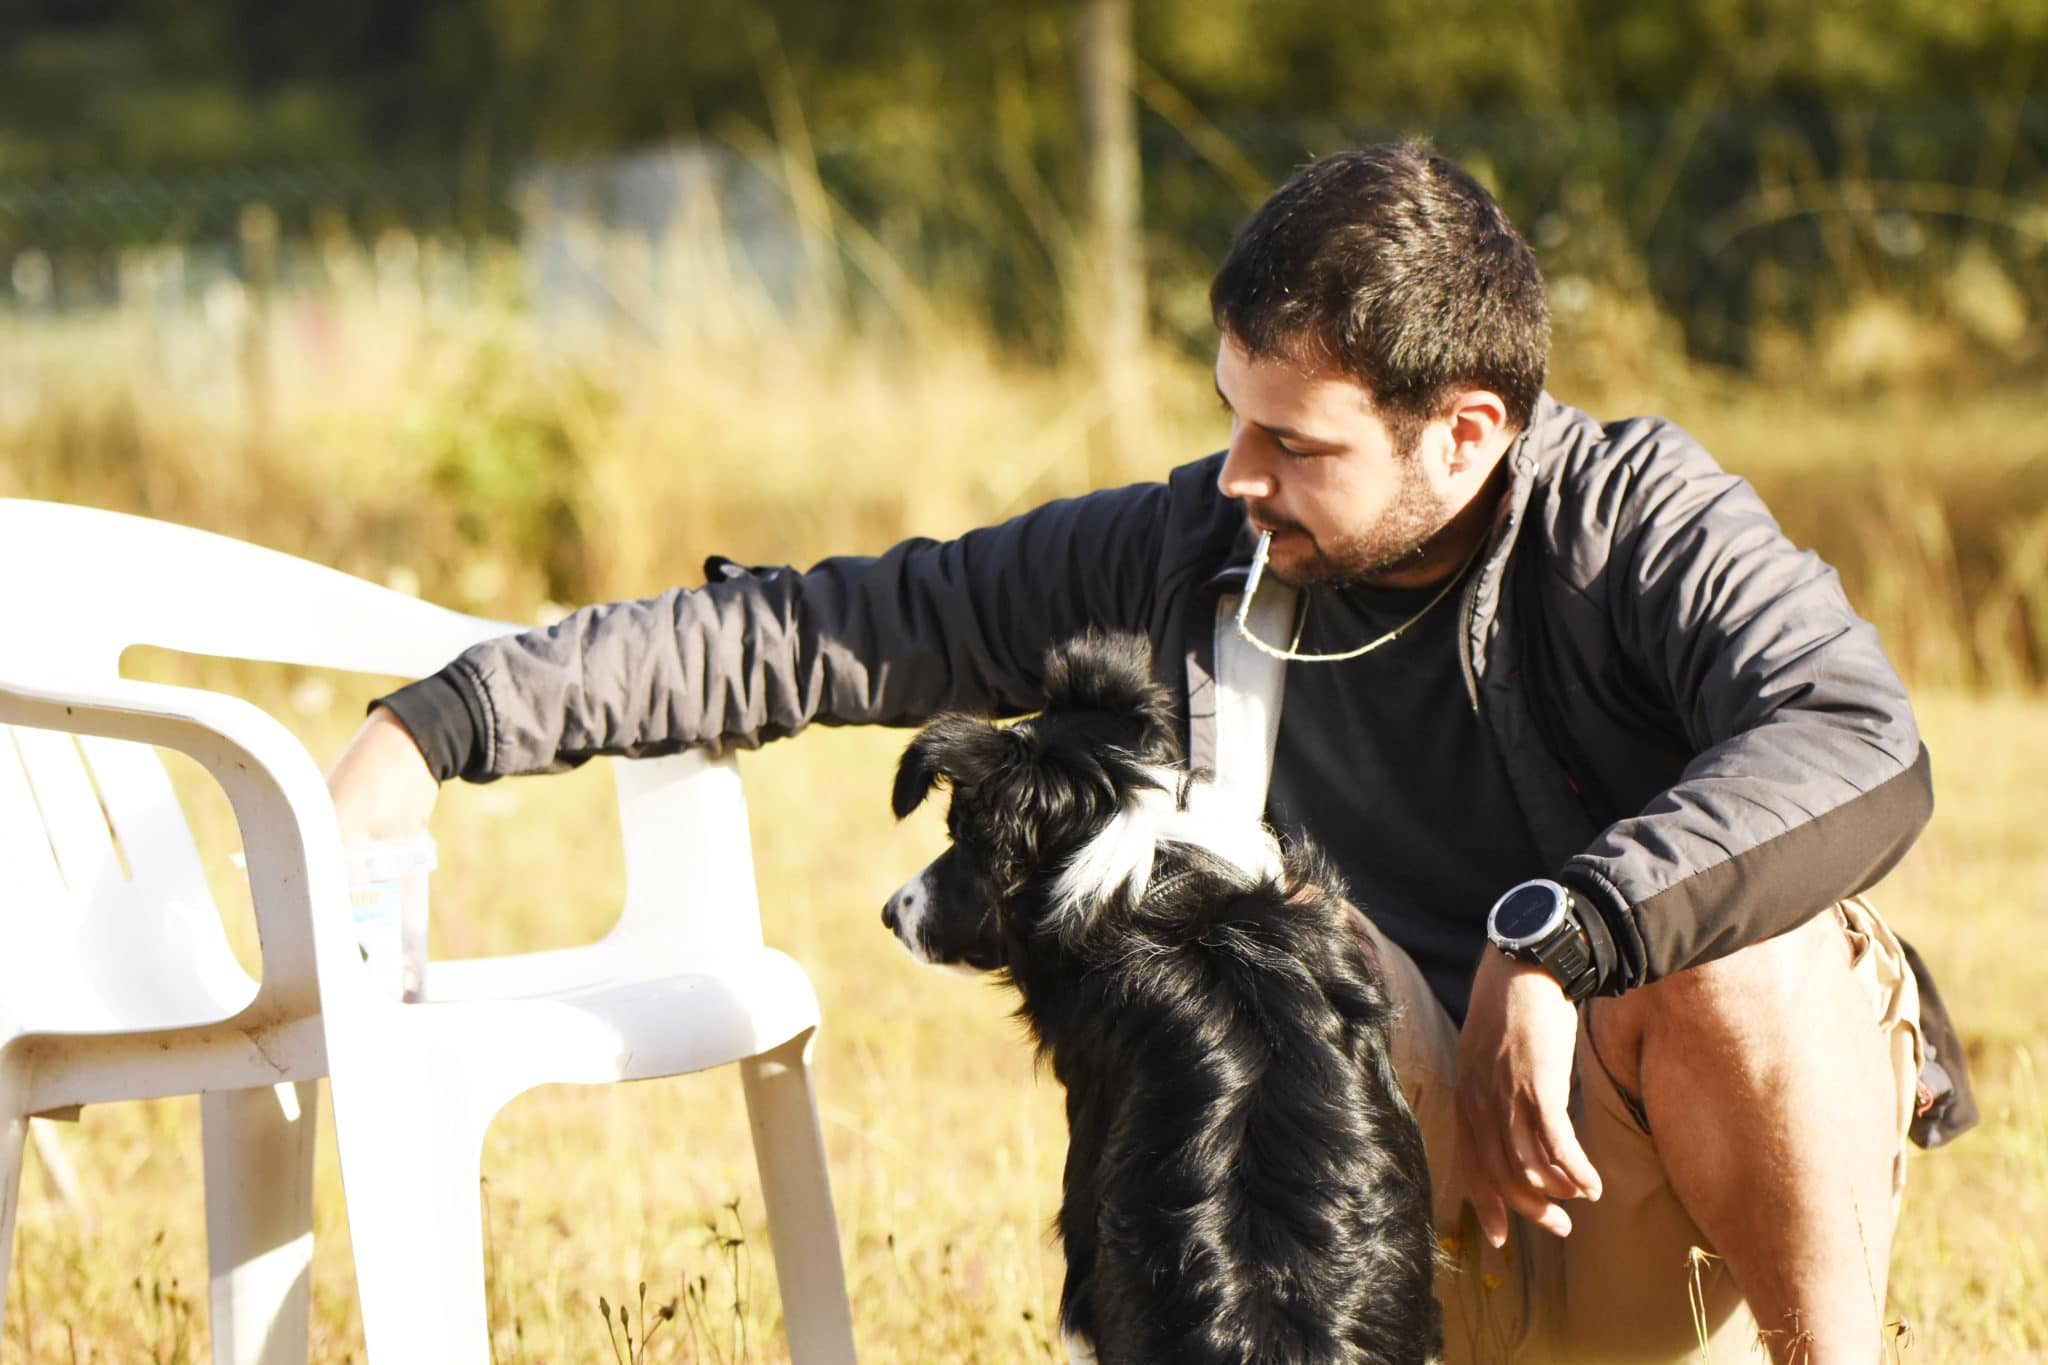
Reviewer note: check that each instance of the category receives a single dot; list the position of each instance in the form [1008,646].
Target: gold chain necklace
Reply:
[1258,572]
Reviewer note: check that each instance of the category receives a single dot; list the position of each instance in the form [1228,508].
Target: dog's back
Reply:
[1244,1180]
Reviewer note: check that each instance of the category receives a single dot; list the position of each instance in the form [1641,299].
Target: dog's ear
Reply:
[1098,672]
[960,749]
[1113,673]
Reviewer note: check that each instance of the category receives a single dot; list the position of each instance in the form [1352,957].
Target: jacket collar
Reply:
[1483,596]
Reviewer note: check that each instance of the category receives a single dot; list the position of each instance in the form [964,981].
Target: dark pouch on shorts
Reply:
[1944,1106]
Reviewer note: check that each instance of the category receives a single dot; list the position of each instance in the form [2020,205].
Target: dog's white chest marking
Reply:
[1119,859]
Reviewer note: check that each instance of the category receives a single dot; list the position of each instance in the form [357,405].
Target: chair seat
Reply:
[596,1032]
[553,971]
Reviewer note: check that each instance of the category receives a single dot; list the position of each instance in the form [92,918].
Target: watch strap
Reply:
[1566,948]
[1595,906]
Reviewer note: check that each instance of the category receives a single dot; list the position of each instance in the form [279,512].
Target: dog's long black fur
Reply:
[1244,1181]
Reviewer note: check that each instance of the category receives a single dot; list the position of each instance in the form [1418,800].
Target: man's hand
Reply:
[1516,1148]
[382,787]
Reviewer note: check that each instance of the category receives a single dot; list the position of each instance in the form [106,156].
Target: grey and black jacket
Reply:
[1706,741]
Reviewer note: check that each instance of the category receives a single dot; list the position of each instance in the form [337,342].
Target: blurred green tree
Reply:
[106,84]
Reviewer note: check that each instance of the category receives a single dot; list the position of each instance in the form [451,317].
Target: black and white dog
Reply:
[1244,1181]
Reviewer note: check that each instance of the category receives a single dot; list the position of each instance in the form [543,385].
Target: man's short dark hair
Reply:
[1393,265]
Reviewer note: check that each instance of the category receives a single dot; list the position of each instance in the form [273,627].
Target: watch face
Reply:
[1525,912]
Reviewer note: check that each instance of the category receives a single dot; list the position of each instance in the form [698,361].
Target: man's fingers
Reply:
[1482,1187]
[1551,1180]
[1473,1172]
[1549,1158]
[1494,1187]
[1556,1143]
[1533,1205]
[1533,1164]
[1508,1185]
[1551,1218]
[1520,1194]
[1496,1178]
[1493,1219]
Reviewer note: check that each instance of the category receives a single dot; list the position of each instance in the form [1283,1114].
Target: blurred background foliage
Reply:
[1731,146]
[530,301]
[228,82]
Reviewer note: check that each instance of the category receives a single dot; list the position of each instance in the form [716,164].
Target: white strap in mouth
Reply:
[1249,686]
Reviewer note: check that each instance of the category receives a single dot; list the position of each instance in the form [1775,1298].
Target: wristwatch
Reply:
[1540,922]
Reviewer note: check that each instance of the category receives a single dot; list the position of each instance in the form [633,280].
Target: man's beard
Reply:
[1409,523]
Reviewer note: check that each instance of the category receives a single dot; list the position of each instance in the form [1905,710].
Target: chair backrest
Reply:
[78,585]
[106,921]
[101,831]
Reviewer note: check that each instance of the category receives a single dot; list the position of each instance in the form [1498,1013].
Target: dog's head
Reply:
[1037,805]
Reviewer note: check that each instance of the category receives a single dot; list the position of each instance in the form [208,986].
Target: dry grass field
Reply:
[945,1148]
[447,455]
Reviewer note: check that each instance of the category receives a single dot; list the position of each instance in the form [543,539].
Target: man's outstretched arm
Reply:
[754,655]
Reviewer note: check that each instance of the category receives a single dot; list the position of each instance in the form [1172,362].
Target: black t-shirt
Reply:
[1383,762]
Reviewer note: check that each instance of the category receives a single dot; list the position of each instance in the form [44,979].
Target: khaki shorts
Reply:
[1636,1281]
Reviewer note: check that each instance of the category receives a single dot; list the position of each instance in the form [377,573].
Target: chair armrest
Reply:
[297,880]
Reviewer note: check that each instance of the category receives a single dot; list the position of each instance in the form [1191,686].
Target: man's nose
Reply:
[1244,476]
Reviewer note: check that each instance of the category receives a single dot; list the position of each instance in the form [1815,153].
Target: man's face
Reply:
[1313,464]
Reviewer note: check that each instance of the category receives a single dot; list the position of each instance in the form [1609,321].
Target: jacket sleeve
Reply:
[1808,781]
[893,639]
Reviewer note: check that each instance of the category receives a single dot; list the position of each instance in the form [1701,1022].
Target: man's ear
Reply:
[962,750]
[1478,430]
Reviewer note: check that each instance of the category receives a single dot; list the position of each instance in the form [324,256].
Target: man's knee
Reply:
[1737,1009]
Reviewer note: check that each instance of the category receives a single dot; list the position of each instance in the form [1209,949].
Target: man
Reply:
[1524,647]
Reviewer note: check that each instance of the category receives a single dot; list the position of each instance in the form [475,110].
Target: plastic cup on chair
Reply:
[387,886]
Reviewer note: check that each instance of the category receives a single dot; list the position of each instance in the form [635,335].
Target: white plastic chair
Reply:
[116,981]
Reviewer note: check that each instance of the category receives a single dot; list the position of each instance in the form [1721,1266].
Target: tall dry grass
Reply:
[501,465]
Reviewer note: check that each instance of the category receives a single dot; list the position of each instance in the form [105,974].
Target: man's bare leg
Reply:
[1771,1096]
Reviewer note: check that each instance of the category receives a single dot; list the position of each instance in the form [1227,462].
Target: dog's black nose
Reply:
[889,915]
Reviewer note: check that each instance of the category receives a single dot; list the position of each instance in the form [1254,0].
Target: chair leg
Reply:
[13,1139]
[789,1149]
[259,1221]
[409,1174]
